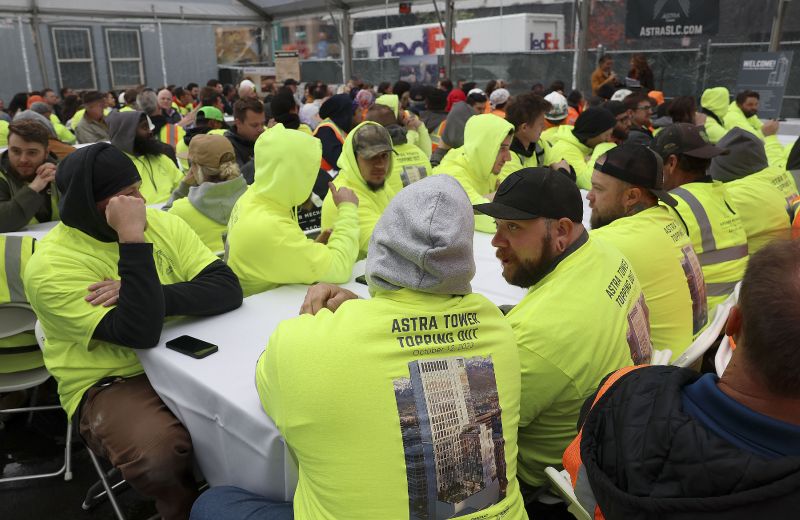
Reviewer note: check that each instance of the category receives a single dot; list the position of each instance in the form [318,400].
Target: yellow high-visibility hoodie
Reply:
[371,203]
[578,155]
[64,135]
[471,165]
[266,246]
[715,100]
[735,118]
[418,137]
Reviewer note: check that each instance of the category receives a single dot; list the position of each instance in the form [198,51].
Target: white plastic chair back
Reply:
[723,356]
[16,318]
[563,487]
[707,338]
[661,357]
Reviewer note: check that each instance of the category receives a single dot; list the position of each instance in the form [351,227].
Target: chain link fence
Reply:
[677,72]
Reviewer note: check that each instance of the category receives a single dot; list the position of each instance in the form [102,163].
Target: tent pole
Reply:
[347,44]
[24,54]
[161,46]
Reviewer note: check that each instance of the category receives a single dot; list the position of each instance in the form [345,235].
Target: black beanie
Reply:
[113,172]
[593,122]
[87,176]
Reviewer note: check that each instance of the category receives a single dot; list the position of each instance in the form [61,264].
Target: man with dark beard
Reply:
[621,130]
[366,164]
[131,133]
[627,185]
[583,317]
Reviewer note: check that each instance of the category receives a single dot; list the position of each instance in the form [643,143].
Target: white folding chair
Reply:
[661,357]
[706,339]
[723,356]
[563,487]
[14,319]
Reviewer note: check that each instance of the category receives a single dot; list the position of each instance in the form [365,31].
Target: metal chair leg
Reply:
[68,454]
[108,488]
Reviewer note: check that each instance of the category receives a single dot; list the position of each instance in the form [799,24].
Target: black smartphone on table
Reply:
[192,347]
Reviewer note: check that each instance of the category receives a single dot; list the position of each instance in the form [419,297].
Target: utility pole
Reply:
[449,27]
[777,26]
[582,51]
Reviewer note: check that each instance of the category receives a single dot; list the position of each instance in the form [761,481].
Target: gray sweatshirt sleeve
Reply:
[17,211]
[180,192]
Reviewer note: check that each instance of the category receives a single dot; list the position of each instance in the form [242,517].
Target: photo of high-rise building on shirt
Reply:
[452,430]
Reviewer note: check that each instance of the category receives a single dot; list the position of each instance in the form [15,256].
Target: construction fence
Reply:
[677,72]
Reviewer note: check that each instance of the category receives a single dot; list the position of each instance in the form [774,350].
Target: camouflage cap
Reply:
[371,140]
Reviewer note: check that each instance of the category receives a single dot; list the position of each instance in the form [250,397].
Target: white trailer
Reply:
[512,33]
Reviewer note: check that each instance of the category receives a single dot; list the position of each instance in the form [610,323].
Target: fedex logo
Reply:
[548,43]
[432,40]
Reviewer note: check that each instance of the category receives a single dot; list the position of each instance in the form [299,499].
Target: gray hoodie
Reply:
[214,200]
[453,135]
[747,156]
[122,129]
[423,240]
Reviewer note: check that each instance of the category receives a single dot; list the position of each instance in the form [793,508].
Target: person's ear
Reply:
[733,327]
[561,233]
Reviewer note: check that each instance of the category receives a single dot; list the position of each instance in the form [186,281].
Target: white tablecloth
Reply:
[234,440]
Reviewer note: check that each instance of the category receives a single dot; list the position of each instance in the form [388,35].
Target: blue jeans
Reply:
[232,503]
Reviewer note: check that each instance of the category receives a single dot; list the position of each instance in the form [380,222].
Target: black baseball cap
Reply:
[532,193]
[685,139]
[638,165]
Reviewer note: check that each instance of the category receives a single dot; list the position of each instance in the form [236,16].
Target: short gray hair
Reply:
[147,101]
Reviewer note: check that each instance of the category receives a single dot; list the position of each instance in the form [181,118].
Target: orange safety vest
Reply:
[327,123]
[169,134]
[572,456]
[794,213]
[436,136]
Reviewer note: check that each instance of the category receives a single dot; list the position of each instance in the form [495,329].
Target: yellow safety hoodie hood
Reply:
[483,136]
[391,101]
[716,100]
[348,164]
[286,166]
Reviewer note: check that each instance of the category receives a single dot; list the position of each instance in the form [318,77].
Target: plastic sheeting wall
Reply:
[189,52]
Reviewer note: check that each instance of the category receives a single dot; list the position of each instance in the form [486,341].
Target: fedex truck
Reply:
[512,33]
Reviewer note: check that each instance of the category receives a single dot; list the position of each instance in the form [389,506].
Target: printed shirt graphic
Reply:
[572,330]
[697,287]
[452,430]
[658,248]
[406,405]
[409,165]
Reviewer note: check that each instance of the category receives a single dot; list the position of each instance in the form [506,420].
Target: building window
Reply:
[74,58]
[124,58]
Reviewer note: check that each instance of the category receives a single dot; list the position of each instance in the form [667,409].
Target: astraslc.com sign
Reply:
[672,30]
[432,40]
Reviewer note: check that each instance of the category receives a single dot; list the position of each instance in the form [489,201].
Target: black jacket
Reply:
[646,459]
[243,149]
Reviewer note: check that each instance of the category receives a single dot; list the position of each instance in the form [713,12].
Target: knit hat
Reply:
[559,110]
[41,108]
[34,99]
[593,122]
[39,118]
[615,107]
[423,240]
